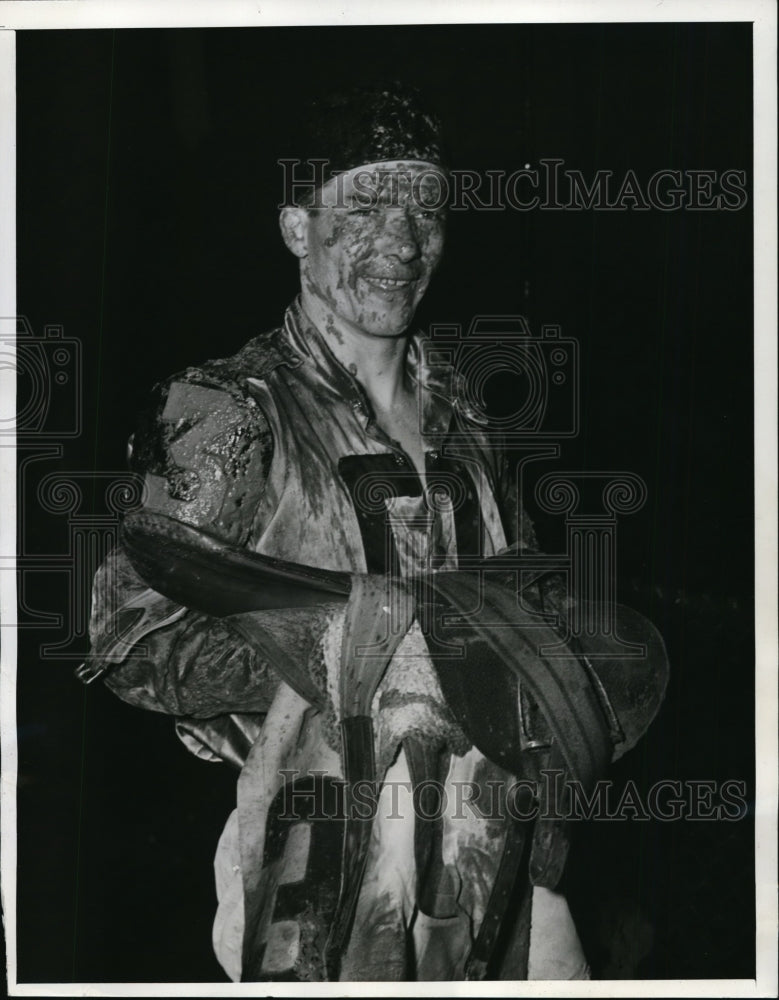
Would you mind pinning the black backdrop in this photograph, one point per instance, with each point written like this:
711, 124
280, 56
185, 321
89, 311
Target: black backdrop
147, 185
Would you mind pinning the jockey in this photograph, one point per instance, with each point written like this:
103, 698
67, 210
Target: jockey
337, 442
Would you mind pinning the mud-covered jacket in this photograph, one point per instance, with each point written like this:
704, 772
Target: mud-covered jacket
276, 449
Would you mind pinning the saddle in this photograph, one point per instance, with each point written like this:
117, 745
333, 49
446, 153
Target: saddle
500, 664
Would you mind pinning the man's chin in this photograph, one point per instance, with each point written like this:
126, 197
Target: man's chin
381, 321
390, 327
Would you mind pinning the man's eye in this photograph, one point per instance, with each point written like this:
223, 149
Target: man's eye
362, 211
428, 214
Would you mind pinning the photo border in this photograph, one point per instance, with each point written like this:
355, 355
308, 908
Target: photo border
78, 14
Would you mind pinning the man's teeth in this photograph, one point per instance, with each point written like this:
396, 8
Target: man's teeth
390, 282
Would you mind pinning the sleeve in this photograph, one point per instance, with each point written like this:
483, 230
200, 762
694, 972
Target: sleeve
204, 452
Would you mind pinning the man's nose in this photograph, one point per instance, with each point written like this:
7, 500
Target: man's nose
401, 239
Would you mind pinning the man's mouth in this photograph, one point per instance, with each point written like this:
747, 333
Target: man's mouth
388, 284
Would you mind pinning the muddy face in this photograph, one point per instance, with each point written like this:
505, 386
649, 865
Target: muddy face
374, 244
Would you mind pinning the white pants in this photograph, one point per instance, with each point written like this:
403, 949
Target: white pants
387, 910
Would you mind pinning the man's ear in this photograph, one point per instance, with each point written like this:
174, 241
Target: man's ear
294, 229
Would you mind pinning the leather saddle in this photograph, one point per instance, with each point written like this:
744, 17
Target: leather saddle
484, 636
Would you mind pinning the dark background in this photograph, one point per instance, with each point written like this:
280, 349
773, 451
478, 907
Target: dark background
147, 185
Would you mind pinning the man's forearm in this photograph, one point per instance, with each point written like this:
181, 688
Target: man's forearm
198, 666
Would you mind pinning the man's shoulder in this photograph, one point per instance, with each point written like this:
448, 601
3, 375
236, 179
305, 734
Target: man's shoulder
229, 375
206, 408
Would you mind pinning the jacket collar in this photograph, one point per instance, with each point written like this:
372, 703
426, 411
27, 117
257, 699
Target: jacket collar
441, 388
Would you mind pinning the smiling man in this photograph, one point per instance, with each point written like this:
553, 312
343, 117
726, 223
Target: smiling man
324, 443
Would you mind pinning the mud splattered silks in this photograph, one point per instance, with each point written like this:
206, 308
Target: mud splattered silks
276, 449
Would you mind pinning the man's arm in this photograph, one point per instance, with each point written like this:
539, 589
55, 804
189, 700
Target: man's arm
204, 449
195, 665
